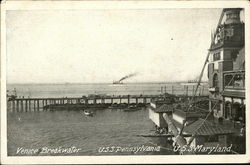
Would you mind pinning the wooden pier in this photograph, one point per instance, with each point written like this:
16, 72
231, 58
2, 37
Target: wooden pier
40, 104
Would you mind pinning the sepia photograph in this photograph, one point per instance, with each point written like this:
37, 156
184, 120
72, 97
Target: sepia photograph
140, 79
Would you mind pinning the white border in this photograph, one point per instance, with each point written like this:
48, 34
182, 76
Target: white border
58, 5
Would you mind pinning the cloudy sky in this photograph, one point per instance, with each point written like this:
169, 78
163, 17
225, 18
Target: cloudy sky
91, 46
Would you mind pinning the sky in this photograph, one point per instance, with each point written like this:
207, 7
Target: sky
100, 46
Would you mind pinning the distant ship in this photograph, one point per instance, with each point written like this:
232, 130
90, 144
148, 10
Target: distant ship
193, 82
117, 82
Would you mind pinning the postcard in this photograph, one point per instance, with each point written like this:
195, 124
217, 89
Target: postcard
124, 82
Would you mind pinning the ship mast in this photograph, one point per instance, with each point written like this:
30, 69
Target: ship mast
180, 139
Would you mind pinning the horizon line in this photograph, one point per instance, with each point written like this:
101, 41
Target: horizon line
148, 82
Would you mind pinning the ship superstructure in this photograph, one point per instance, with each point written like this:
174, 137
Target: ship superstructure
222, 123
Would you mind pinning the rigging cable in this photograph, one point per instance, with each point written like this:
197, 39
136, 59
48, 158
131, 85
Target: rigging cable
202, 71
206, 61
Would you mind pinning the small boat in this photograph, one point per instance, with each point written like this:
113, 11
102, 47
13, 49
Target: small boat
88, 113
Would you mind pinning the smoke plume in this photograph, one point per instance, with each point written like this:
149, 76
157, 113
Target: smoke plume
128, 76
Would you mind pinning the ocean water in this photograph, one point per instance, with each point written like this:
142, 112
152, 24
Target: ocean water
66, 129
108, 132
78, 90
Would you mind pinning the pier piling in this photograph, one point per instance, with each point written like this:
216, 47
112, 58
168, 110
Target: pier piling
21, 105
13, 105
29, 109
25, 105
37, 105
34, 102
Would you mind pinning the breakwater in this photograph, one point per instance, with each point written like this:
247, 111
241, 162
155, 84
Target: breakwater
94, 101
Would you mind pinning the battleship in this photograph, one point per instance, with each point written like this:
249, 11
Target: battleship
222, 121
117, 82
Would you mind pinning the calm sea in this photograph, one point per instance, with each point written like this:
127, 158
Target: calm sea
73, 133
